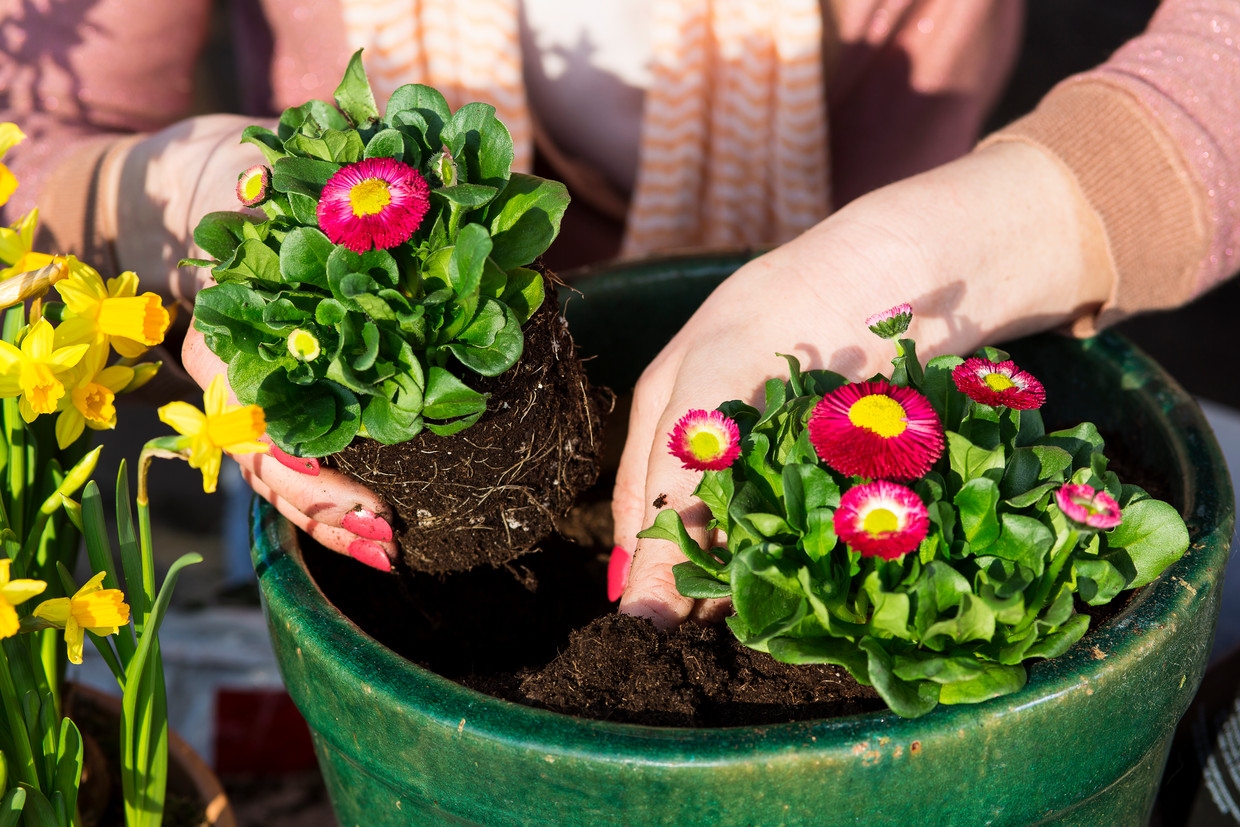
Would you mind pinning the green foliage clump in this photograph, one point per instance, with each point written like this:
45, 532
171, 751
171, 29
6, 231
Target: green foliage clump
400, 330
992, 584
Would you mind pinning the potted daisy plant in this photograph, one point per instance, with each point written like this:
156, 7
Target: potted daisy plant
381, 294
922, 530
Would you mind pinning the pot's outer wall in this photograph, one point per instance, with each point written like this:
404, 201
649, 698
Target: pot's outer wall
1083, 743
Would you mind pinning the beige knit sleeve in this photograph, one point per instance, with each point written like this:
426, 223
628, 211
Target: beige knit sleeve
1135, 178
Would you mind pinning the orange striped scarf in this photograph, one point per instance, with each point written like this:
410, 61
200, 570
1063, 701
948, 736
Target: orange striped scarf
734, 133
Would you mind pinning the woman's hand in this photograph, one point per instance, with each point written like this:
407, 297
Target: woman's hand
995, 245
166, 183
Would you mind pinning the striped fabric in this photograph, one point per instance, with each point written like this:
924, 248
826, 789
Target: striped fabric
734, 135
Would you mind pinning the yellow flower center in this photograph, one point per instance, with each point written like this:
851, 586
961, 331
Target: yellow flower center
998, 382
881, 521
42, 389
303, 346
879, 413
241, 425
369, 197
95, 403
705, 444
141, 318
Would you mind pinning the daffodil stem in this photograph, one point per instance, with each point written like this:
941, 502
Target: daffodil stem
25, 764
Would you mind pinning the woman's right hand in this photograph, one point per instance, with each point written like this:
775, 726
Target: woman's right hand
995, 245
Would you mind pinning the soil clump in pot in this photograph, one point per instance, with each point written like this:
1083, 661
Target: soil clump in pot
492, 492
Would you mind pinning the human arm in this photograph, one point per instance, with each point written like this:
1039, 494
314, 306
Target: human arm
1125, 174
121, 176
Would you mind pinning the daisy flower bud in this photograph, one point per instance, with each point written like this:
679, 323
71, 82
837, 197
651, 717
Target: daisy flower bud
892, 323
254, 185
303, 345
1088, 507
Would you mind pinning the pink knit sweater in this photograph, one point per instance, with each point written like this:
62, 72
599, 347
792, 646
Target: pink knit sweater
1150, 135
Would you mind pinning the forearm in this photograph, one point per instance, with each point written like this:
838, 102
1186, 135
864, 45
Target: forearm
1149, 135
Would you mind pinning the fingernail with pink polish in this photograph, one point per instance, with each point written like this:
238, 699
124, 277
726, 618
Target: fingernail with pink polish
372, 554
304, 465
365, 523
618, 573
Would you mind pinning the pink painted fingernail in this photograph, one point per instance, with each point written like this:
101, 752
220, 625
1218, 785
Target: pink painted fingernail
305, 465
618, 573
372, 554
365, 523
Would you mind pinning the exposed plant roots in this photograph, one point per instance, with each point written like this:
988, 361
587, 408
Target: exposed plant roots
493, 491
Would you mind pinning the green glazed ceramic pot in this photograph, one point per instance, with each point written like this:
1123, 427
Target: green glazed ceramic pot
1083, 743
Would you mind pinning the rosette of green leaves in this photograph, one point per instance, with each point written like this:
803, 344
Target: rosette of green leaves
993, 583
400, 330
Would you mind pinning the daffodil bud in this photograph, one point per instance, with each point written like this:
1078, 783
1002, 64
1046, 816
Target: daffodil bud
303, 346
78, 476
142, 373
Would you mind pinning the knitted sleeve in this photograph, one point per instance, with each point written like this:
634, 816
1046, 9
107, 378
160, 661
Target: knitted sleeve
1151, 138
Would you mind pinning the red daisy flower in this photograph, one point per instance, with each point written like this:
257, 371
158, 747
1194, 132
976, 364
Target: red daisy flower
876, 429
881, 519
891, 323
1088, 507
254, 185
705, 441
375, 203
999, 384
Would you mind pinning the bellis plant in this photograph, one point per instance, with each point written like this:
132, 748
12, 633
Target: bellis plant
388, 263
922, 529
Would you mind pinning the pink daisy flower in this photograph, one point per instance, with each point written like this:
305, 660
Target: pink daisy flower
375, 203
891, 323
881, 519
254, 185
999, 384
1088, 507
705, 441
876, 429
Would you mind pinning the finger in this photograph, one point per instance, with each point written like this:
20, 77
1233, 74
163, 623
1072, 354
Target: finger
651, 590
336, 510
373, 553
628, 504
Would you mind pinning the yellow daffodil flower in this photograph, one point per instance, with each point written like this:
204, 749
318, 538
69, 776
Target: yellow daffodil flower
224, 427
34, 372
90, 402
115, 312
13, 593
10, 136
93, 609
16, 247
